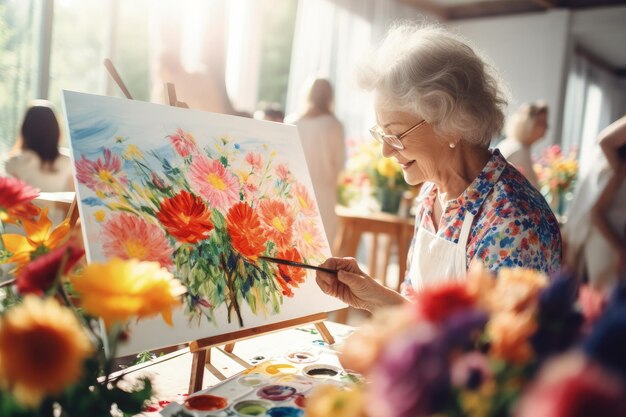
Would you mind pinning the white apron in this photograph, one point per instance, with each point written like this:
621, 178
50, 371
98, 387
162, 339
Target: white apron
435, 259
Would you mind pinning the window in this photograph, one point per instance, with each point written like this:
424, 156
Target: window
19, 33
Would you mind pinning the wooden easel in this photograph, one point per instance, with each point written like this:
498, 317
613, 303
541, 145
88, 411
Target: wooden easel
201, 348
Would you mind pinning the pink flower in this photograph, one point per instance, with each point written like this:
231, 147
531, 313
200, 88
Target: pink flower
15, 200
184, 143
304, 201
127, 236
255, 160
310, 239
283, 172
209, 178
592, 303
101, 175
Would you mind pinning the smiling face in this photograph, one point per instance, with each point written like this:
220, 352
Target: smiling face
422, 151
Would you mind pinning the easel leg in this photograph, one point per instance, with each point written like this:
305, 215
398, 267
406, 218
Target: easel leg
326, 336
197, 370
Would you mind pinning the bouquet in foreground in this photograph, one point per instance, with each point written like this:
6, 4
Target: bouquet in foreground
54, 358
519, 345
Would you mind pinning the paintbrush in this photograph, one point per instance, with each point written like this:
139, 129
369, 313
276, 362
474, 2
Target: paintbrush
297, 264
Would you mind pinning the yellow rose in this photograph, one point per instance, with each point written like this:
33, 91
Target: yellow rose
119, 290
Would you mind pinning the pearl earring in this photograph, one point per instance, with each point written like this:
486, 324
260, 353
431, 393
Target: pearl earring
452, 145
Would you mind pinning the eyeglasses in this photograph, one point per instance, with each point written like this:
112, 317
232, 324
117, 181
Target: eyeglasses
393, 140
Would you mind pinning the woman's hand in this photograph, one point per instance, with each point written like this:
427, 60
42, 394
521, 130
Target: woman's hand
354, 287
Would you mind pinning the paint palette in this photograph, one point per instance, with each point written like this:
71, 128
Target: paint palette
274, 388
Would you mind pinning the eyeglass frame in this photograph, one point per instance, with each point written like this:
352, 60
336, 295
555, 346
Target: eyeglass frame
395, 141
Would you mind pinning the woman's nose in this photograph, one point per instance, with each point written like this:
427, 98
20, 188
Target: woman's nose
388, 150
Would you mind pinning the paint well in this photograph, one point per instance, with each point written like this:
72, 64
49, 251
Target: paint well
206, 403
276, 392
251, 408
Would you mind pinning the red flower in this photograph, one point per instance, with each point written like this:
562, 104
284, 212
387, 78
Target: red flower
277, 221
439, 302
15, 199
290, 276
244, 228
186, 217
39, 275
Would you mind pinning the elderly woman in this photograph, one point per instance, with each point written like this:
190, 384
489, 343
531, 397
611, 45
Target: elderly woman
437, 108
525, 128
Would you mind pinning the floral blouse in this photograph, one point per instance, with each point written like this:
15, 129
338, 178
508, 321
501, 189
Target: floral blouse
513, 225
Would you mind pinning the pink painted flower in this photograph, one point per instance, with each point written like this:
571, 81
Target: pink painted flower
310, 242
184, 143
250, 191
283, 172
210, 179
127, 236
255, 160
101, 175
304, 201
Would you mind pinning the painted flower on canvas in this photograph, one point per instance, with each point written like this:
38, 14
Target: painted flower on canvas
206, 213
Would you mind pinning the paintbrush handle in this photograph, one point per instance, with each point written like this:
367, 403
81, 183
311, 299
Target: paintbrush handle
297, 264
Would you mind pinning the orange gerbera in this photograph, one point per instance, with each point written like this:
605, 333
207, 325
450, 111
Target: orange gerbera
40, 238
244, 228
277, 221
290, 276
186, 217
15, 200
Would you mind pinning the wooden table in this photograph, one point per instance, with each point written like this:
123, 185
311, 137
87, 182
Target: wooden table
353, 224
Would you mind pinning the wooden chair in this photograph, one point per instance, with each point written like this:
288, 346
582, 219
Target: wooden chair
388, 231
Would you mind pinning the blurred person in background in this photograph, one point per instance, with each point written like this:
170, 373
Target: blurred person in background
36, 158
595, 232
322, 137
525, 128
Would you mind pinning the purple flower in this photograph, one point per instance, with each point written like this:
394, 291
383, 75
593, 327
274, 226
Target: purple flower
411, 379
559, 324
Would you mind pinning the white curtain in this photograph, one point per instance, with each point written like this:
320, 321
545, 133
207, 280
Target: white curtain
331, 37
594, 99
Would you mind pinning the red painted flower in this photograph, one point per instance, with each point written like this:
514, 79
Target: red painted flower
15, 199
439, 302
244, 228
290, 276
39, 275
186, 217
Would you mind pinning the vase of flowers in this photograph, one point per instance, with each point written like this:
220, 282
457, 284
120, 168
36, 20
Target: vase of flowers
557, 174
54, 359
370, 179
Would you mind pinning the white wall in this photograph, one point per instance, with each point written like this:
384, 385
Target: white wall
530, 52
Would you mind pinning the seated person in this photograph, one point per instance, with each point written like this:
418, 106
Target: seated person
437, 121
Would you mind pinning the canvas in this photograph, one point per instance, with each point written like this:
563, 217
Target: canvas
204, 195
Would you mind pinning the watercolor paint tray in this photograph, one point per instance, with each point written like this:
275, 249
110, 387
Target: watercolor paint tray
274, 388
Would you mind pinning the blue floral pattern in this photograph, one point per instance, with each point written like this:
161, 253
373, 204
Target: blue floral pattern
513, 224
